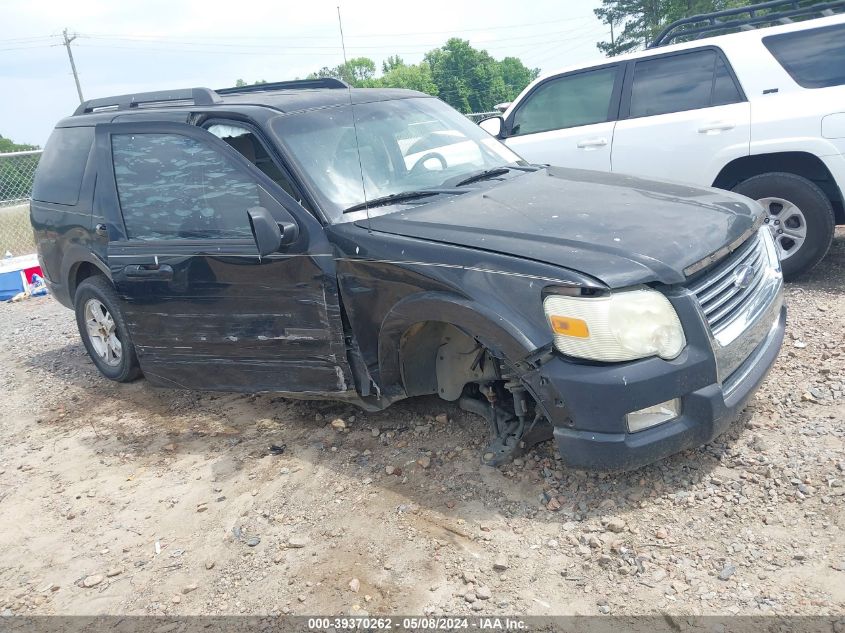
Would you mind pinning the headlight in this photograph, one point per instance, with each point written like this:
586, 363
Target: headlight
620, 326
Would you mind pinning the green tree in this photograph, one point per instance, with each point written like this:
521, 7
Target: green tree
394, 61
8, 145
635, 23
415, 77
240, 83
358, 72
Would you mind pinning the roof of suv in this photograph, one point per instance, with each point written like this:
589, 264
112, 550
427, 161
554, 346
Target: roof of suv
722, 41
287, 97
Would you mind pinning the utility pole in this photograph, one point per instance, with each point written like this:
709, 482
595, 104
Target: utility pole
66, 41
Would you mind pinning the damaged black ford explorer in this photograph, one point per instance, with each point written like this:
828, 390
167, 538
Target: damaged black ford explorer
371, 245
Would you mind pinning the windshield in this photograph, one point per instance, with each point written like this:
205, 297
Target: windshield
405, 145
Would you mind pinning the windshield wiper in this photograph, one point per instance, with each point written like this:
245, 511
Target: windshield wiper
400, 197
483, 175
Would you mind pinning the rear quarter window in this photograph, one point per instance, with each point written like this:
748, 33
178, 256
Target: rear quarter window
62, 165
814, 58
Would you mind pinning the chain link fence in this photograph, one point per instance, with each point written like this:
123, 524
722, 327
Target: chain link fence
17, 170
475, 117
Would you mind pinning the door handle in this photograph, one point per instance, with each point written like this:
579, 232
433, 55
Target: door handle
715, 127
591, 142
149, 271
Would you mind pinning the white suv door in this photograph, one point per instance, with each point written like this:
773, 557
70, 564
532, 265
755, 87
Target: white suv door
568, 119
683, 117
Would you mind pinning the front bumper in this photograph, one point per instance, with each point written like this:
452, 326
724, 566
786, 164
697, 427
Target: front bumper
588, 404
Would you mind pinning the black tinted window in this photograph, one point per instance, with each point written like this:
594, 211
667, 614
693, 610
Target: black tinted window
62, 165
565, 102
681, 82
814, 58
173, 187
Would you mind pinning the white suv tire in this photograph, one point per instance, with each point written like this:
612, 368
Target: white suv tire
794, 206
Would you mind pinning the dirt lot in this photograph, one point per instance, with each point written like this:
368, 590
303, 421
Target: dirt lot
127, 499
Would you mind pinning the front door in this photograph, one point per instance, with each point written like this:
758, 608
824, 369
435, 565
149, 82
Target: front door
568, 120
203, 309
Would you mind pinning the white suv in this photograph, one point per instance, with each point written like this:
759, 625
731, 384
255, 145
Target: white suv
760, 112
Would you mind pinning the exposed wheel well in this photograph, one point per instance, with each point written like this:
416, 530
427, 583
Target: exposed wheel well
80, 273
438, 357
798, 163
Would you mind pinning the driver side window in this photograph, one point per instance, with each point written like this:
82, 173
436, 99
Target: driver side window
172, 187
569, 101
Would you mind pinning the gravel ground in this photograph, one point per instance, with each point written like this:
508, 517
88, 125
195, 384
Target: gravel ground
124, 499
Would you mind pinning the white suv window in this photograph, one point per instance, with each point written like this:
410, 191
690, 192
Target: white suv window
568, 101
676, 83
814, 58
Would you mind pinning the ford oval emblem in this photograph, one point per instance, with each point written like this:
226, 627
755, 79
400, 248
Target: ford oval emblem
743, 275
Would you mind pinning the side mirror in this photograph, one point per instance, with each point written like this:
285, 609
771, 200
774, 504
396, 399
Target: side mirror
269, 234
495, 125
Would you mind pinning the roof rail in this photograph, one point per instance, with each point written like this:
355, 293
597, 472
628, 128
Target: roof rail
753, 16
196, 96
296, 84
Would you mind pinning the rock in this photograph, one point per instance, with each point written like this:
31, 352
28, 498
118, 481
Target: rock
501, 563
279, 557
298, 541
441, 418
252, 541
553, 505
189, 588
301, 598
661, 533
424, 461
389, 470
604, 609
470, 597
483, 592
114, 571
354, 585
799, 344
338, 424
209, 564
92, 581
616, 524
176, 599
727, 571
375, 432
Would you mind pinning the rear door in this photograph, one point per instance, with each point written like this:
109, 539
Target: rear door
204, 310
683, 117
568, 120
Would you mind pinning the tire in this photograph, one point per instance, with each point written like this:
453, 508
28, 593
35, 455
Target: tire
776, 191
96, 302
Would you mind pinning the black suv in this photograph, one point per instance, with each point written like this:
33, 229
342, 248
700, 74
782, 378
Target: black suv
314, 240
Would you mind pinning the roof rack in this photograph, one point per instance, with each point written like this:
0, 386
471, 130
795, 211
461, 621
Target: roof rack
198, 96
296, 84
193, 96
747, 18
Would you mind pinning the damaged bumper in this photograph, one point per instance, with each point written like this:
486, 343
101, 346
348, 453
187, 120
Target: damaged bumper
588, 405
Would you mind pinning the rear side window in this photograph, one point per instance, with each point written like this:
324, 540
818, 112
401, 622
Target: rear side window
174, 187
565, 102
681, 82
814, 58
62, 165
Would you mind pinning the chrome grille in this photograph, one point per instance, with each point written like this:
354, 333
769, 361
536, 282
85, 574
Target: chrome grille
720, 296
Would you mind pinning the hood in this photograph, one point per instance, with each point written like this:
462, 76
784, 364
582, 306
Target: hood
622, 230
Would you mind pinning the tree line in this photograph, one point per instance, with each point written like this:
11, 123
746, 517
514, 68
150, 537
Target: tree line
467, 78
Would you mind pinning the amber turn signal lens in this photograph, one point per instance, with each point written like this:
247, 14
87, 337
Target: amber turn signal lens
569, 326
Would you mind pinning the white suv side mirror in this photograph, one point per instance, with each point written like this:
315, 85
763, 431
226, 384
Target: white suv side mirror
494, 125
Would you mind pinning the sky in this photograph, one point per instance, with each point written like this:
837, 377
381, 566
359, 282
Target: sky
124, 47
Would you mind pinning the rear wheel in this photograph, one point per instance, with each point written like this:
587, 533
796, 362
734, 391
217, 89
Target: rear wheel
798, 214
103, 330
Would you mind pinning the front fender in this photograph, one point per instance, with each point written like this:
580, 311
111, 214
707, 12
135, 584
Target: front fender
502, 335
